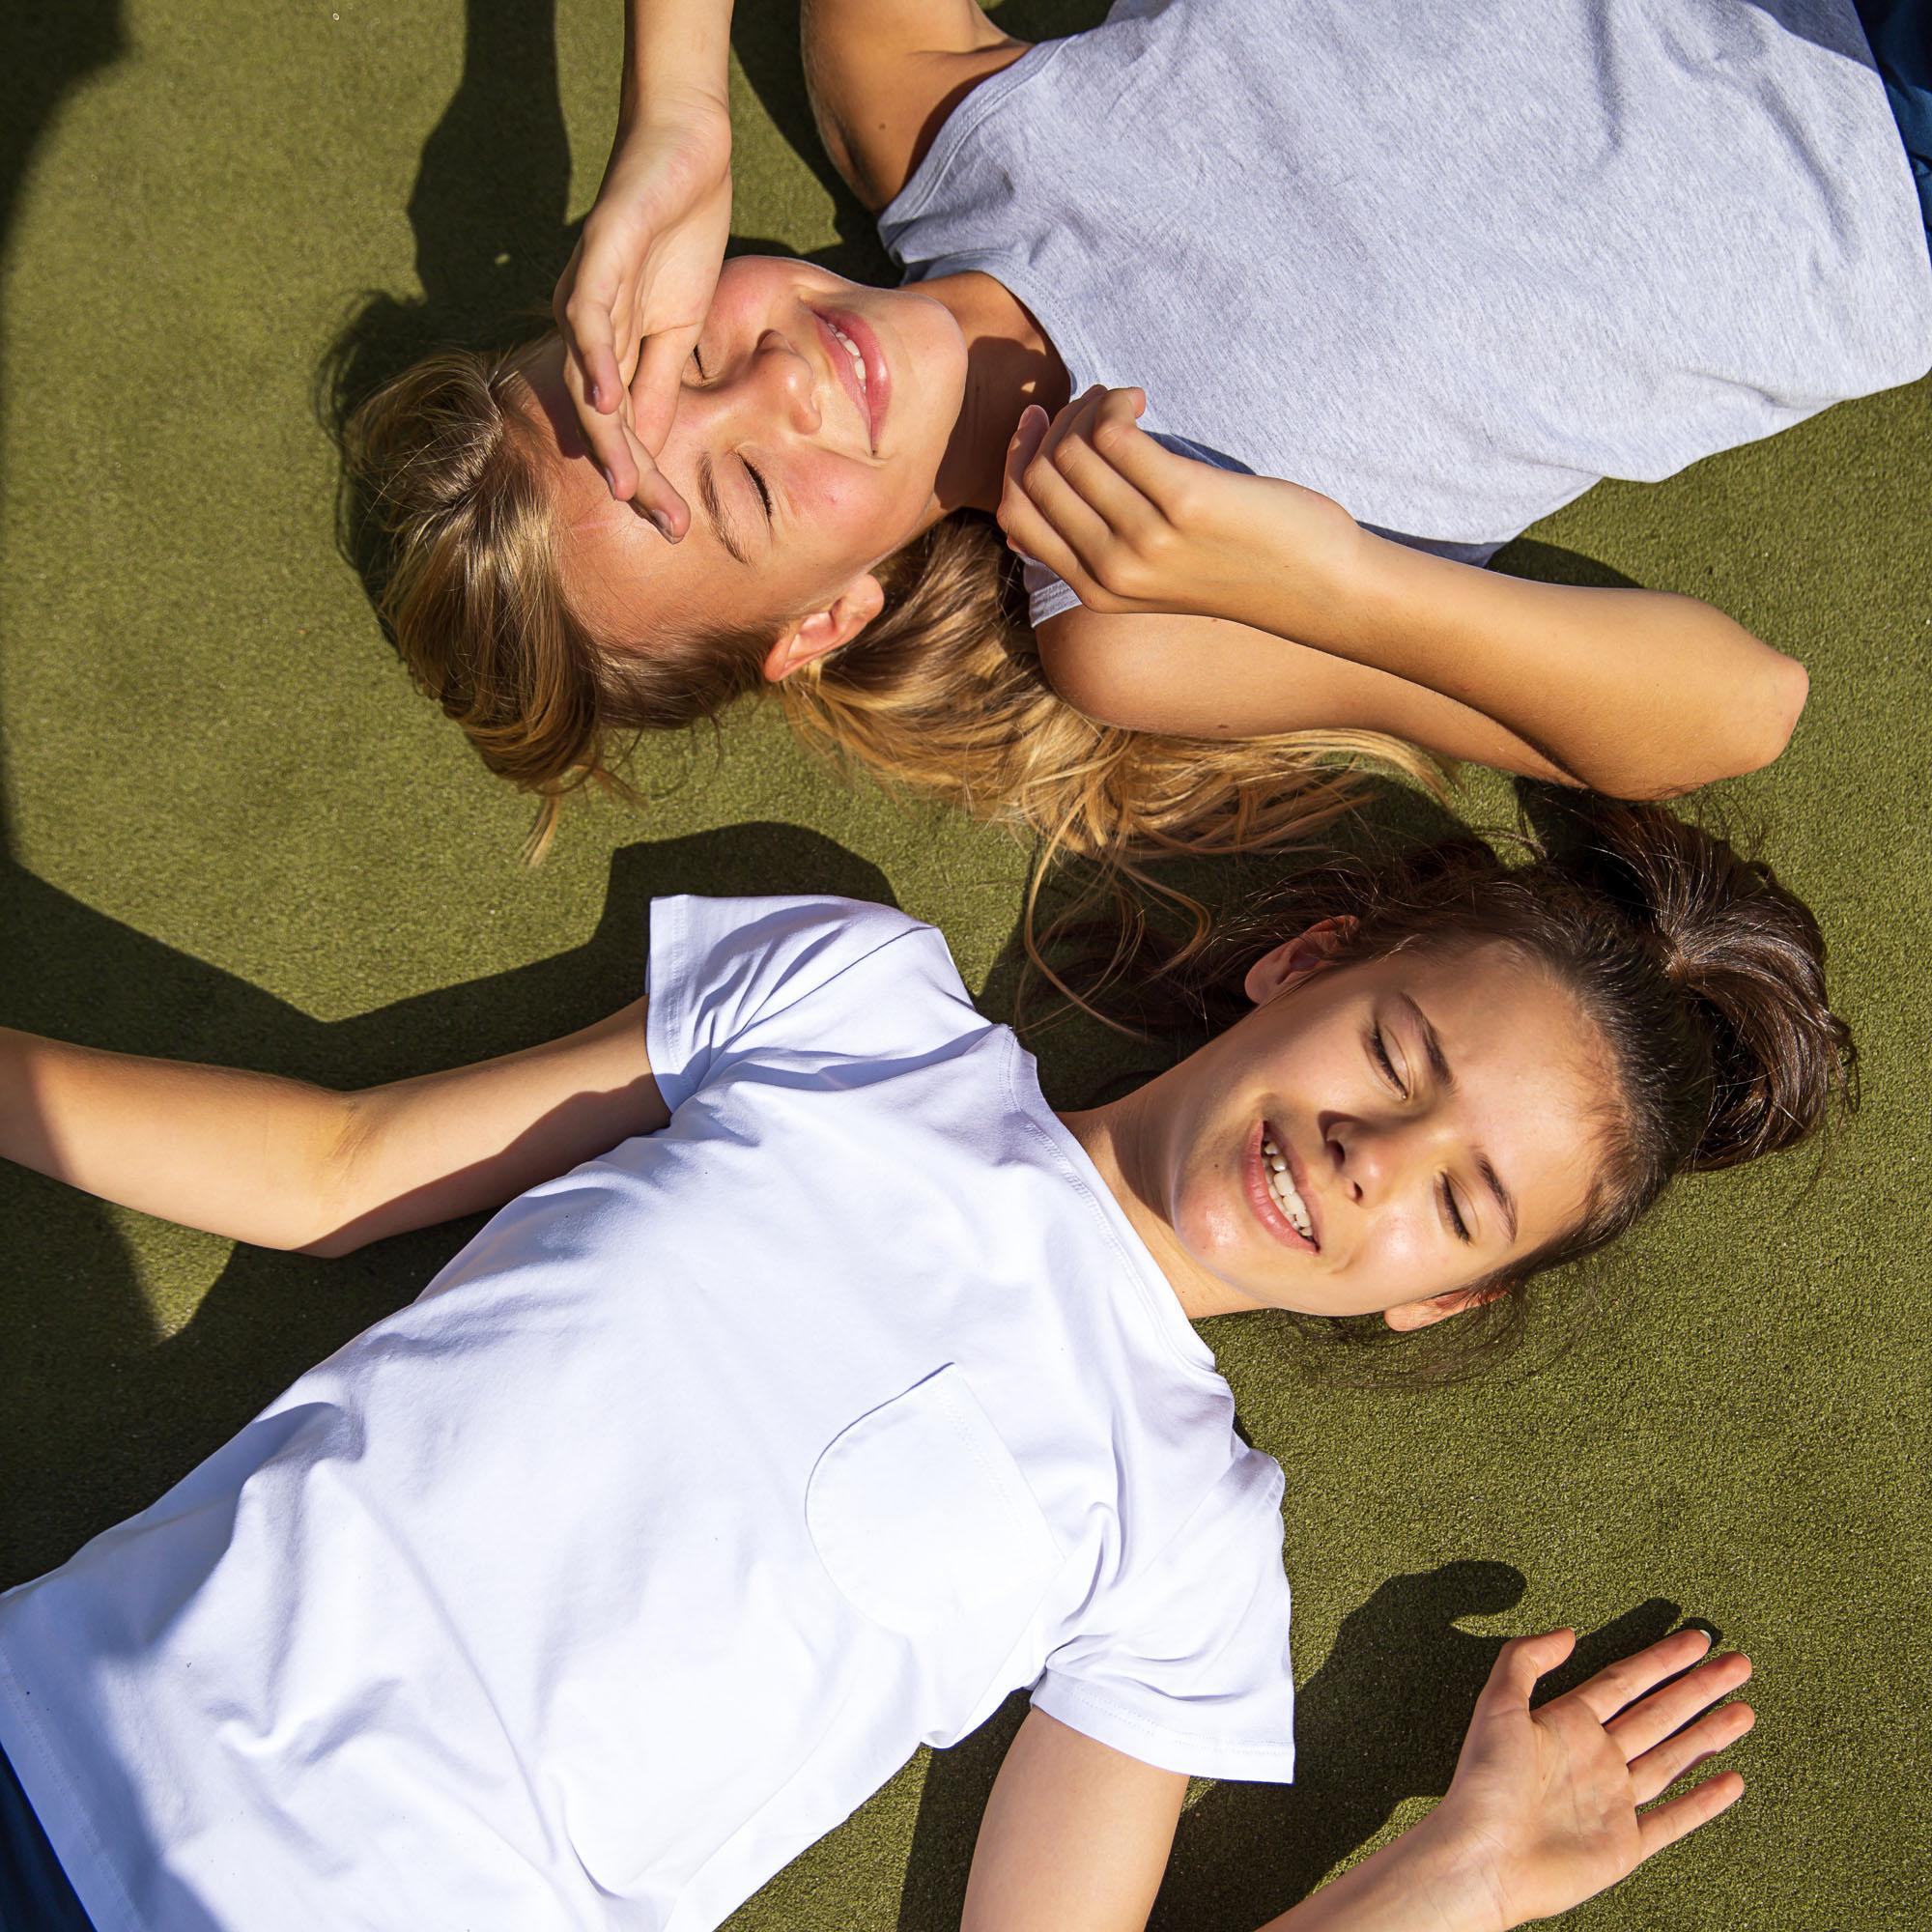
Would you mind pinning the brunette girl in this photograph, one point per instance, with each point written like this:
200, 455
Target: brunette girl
821, 1386
1442, 268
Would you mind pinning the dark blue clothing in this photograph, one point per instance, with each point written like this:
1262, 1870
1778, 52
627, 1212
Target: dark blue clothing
35, 1895
1900, 33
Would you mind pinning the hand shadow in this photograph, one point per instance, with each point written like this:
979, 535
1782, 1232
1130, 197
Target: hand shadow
99, 1414
1380, 1721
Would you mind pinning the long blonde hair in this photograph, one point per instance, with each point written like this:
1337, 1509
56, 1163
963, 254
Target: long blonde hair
450, 515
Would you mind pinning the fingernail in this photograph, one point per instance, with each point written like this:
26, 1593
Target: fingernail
665, 528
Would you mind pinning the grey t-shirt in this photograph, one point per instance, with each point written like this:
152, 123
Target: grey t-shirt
1447, 263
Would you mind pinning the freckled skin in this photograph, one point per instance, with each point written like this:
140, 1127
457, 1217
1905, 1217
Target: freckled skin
770, 397
1530, 1084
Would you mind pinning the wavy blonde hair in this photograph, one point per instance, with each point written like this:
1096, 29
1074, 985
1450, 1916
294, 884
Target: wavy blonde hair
450, 516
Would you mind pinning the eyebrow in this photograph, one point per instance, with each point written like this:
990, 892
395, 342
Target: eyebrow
707, 491
1438, 1063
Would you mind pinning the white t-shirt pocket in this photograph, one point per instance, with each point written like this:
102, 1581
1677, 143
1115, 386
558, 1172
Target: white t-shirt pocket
921, 1515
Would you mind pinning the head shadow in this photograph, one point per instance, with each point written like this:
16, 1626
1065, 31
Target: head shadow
98, 1411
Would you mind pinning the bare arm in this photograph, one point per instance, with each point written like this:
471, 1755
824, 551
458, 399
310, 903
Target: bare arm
285, 1164
1544, 1811
884, 75
1195, 581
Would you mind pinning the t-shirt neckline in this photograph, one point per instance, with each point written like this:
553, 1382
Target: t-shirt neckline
1156, 1292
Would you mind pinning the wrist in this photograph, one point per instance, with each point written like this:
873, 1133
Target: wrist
1456, 1875
1310, 566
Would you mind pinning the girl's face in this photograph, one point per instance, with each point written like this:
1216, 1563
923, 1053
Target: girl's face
1374, 1137
801, 472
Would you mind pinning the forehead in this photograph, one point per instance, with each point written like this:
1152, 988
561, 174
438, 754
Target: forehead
1533, 1083
614, 562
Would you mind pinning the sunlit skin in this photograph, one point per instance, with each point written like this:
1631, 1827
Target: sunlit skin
764, 402
1388, 1158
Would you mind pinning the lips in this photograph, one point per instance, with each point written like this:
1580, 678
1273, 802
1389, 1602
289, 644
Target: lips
872, 396
1268, 1209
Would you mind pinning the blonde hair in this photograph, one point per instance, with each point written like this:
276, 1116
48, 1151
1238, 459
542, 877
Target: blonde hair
942, 694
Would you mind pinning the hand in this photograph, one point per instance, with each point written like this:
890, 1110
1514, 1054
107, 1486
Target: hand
635, 294
1134, 527
1544, 1804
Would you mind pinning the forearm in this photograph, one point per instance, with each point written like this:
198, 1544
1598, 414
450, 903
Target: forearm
249, 1155
675, 51
1636, 692
283, 1164
1418, 1884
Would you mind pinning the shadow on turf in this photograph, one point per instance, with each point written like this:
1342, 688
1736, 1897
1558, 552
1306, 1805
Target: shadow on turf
97, 1415
1380, 1721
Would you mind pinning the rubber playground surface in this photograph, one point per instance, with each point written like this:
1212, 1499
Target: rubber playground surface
229, 831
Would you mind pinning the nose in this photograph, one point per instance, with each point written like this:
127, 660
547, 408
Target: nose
778, 383
1373, 1160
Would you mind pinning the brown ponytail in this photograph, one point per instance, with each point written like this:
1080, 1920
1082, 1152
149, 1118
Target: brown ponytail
1704, 977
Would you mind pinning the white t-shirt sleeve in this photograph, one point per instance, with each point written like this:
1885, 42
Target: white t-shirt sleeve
822, 976
1189, 1668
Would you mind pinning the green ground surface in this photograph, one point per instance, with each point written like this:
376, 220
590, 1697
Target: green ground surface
231, 831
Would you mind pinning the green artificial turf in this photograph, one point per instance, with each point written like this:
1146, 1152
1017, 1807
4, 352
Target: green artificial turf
231, 831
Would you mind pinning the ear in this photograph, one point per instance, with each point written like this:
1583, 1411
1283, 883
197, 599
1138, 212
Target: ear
1294, 959
1410, 1316
808, 638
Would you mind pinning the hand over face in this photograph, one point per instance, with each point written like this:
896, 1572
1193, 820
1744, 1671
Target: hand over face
634, 295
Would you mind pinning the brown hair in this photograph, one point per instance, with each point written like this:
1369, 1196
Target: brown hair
1703, 976
942, 694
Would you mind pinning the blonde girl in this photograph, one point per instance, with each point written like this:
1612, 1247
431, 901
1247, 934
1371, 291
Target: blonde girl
1442, 268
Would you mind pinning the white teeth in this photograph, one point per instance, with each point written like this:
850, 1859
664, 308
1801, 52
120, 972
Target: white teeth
1282, 1186
851, 349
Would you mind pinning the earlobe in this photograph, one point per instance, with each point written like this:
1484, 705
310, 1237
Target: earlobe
1410, 1316
1294, 959
823, 632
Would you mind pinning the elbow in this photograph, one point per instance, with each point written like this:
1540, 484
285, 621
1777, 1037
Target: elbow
1763, 720
331, 1244
1088, 681
334, 1220
1756, 728
1787, 688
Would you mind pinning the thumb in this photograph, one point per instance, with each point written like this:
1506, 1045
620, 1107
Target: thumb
1523, 1661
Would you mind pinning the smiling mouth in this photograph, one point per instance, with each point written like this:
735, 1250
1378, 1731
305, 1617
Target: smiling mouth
860, 364
1287, 1216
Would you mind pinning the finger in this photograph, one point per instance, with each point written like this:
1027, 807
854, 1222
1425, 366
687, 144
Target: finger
1026, 529
612, 448
1658, 1769
1041, 482
654, 395
589, 342
1521, 1661
1653, 1718
1630, 1678
1670, 1822
1093, 473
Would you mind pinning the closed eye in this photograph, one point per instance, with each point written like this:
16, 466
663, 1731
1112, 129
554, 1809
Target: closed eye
1378, 1047
759, 482
1456, 1220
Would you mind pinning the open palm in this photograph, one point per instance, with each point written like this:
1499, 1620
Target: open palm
1548, 1800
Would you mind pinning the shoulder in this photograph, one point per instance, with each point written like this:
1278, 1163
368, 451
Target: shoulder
883, 76
815, 973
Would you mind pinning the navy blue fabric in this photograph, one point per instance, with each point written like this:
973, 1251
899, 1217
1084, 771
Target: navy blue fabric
1900, 33
35, 1895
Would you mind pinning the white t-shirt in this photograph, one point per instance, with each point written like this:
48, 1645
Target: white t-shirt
707, 1482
